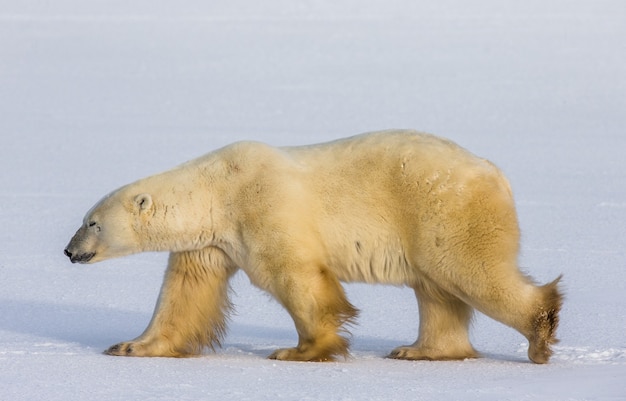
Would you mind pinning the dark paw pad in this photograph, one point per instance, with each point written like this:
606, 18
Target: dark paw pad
113, 350
121, 349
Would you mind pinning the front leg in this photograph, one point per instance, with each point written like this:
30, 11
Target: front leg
192, 309
317, 303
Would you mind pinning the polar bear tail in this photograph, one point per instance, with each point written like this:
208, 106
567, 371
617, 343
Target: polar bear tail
545, 323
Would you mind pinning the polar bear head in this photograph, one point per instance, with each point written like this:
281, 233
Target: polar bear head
116, 226
173, 211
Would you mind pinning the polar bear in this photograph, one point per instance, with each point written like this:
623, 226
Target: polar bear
393, 207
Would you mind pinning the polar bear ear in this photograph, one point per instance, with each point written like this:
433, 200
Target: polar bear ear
143, 202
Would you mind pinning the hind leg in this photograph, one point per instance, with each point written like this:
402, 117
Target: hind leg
318, 305
443, 329
506, 295
472, 253
544, 322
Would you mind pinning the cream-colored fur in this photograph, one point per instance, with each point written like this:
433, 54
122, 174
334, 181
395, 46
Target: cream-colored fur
393, 207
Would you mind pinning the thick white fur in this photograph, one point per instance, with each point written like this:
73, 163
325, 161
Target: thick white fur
393, 207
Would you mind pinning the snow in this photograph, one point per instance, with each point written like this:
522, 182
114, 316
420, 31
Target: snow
97, 94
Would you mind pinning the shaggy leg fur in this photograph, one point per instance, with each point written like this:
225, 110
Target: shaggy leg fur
443, 330
530, 309
192, 308
319, 310
484, 246
545, 323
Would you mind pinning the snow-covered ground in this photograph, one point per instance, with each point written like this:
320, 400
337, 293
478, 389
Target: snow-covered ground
94, 94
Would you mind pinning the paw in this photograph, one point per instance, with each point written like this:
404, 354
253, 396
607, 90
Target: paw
123, 349
409, 353
295, 354
413, 353
539, 352
145, 347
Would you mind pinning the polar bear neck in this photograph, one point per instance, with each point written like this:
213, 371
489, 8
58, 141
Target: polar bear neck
182, 214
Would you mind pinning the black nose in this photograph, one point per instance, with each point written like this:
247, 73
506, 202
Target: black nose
79, 257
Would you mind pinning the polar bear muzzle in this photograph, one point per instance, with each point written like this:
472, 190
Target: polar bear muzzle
79, 258
75, 250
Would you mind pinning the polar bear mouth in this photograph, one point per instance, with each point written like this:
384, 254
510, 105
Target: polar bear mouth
81, 258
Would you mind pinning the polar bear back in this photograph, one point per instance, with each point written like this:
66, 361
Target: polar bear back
382, 207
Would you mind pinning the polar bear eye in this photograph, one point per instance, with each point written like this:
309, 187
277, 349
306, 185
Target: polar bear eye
93, 224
